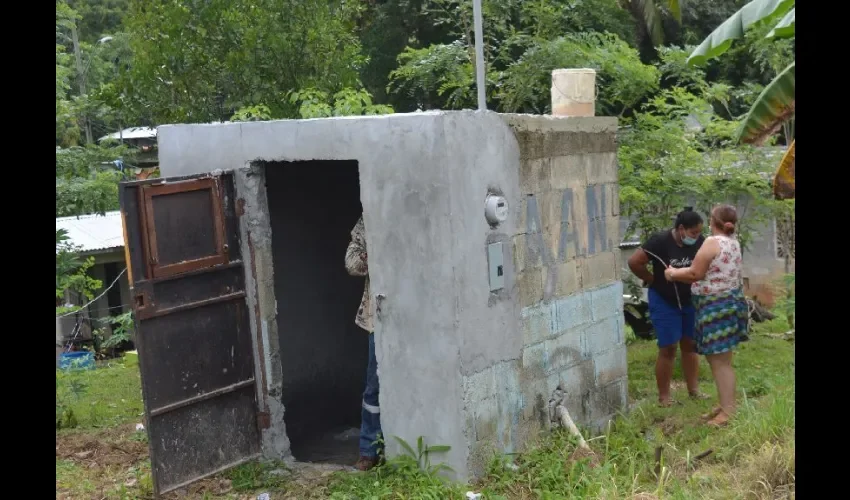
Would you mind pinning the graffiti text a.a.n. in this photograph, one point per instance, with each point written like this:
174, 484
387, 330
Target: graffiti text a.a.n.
568, 243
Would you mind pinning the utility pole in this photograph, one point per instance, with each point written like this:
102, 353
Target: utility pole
480, 74
81, 77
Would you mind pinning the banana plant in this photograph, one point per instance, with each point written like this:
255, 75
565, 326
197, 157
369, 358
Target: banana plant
784, 184
774, 107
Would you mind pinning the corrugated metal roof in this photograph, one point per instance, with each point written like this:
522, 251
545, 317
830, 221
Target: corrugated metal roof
132, 133
94, 233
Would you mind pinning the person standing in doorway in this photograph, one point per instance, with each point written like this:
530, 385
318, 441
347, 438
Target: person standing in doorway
356, 263
721, 309
670, 310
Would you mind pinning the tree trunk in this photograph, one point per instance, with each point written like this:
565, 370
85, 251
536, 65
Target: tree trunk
81, 79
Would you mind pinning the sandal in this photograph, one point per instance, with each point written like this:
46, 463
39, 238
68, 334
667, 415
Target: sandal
713, 413
667, 404
698, 395
714, 422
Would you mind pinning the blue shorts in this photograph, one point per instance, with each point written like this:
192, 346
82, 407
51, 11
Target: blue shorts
669, 322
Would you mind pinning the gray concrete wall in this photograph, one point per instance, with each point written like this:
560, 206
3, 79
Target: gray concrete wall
403, 166
567, 292
458, 365
763, 267
429, 237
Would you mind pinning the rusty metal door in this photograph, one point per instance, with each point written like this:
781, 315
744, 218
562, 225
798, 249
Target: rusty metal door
192, 330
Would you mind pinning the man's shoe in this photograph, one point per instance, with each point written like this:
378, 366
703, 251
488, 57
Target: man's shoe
366, 463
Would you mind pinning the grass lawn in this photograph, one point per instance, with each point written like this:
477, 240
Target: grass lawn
105, 457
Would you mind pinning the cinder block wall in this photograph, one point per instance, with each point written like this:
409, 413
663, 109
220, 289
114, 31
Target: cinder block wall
568, 286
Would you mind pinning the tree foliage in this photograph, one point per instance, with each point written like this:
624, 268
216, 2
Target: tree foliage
622, 79
313, 103
651, 14
72, 272
774, 108
67, 129
199, 61
87, 178
87, 195
776, 103
524, 41
122, 327
98, 18
677, 151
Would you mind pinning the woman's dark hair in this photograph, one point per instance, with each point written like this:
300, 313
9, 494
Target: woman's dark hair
687, 218
725, 217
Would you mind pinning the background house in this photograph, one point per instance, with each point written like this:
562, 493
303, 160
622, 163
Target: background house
101, 237
143, 139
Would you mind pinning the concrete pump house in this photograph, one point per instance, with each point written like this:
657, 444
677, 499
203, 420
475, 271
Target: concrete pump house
494, 271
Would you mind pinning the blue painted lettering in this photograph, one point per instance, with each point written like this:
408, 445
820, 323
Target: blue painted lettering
597, 220
568, 227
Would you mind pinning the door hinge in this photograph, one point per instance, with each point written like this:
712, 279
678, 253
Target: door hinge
263, 420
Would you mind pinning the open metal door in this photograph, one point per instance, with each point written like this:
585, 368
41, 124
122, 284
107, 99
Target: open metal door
192, 329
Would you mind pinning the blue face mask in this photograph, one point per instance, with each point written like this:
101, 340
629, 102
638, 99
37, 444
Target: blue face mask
687, 240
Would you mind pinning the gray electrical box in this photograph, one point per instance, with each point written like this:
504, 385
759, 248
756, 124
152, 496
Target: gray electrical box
495, 260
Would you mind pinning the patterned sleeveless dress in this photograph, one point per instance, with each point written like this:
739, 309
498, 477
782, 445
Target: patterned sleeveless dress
721, 309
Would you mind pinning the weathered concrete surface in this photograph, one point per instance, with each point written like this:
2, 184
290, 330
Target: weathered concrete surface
255, 237
459, 364
568, 291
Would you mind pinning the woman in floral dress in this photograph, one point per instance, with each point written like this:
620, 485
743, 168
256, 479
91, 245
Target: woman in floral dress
721, 309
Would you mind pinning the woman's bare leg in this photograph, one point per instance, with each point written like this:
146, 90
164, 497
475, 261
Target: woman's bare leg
690, 365
664, 373
724, 377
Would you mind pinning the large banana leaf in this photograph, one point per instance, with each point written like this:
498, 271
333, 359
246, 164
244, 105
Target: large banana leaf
772, 107
785, 180
784, 28
721, 38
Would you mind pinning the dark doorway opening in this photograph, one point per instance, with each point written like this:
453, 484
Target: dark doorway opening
313, 205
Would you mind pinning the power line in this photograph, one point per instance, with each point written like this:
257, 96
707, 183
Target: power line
96, 298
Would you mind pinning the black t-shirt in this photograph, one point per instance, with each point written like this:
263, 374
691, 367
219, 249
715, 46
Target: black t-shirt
664, 245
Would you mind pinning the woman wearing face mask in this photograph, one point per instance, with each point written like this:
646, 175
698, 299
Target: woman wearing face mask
670, 310
721, 309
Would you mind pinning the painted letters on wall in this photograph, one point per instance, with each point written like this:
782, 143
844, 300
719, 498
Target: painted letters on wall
592, 224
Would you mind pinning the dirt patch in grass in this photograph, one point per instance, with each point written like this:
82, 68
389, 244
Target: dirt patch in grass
582, 454
104, 447
215, 487
102, 463
668, 425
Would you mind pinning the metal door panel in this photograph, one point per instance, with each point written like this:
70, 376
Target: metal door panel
192, 328
203, 438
